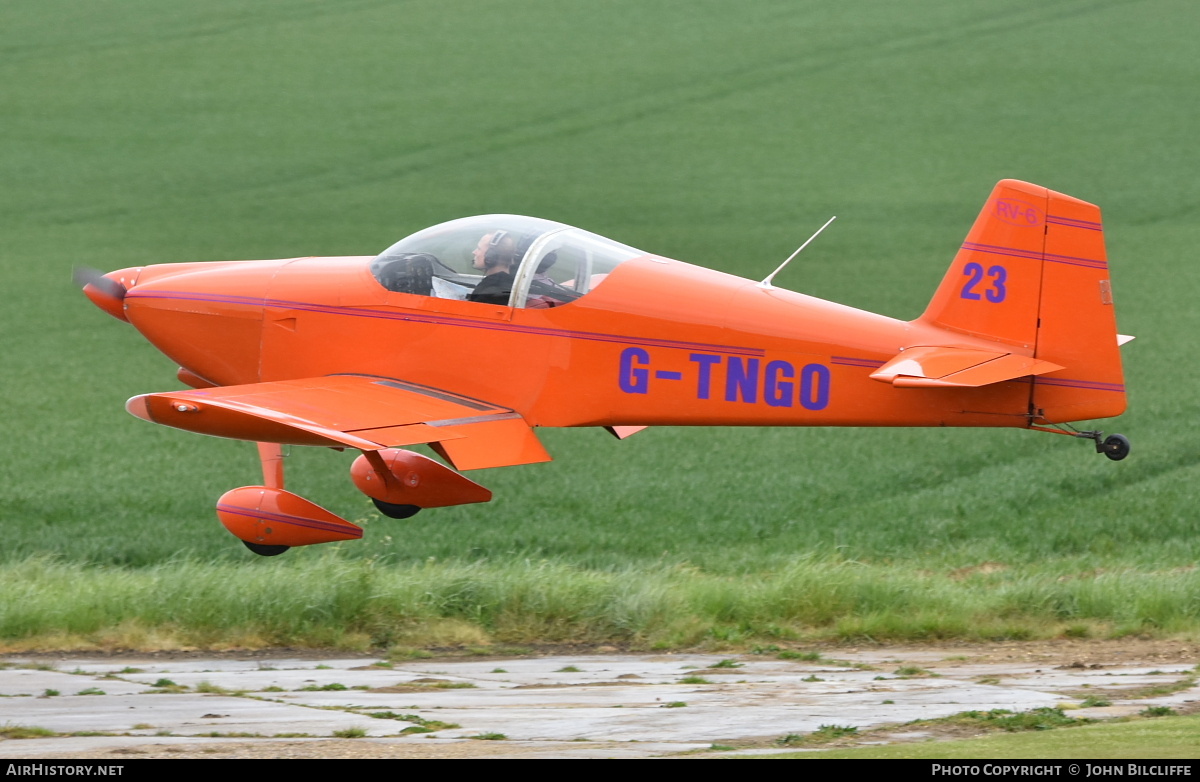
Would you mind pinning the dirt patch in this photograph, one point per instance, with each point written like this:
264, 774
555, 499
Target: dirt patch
1076, 653
1066, 651
311, 750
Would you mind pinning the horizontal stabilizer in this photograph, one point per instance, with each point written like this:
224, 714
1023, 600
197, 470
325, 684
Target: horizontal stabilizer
947, 367
621, 432
367, 413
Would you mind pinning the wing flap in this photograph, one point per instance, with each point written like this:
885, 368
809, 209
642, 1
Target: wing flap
496, 442
367, 413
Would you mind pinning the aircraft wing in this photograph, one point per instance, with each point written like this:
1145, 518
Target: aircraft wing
946, 367
356, 411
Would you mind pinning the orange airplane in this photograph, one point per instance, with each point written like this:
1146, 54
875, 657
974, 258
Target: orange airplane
468, 335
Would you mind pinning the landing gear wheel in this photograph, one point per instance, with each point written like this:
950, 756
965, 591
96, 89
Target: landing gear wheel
264, 550
1116, 447
393, 511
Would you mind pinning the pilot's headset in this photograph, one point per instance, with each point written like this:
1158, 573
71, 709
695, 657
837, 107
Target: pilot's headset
495, 255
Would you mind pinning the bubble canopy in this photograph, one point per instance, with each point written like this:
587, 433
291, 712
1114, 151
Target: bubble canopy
501, 259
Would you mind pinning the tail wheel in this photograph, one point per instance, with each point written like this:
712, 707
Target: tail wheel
394, 511
1116, 447
264, 550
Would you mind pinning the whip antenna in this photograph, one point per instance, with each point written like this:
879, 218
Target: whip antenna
767, 282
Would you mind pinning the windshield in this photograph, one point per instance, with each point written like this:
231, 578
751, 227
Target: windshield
500, 259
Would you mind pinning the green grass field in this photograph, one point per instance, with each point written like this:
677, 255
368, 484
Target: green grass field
1162, 739
722, 134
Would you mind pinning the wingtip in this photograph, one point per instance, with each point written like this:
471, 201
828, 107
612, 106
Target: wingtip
137, 406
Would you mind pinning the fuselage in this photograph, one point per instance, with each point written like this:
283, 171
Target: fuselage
659, 342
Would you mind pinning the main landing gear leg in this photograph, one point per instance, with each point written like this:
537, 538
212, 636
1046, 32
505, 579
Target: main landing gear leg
271, 456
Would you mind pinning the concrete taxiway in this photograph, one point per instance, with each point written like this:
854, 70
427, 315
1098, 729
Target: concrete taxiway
577, 706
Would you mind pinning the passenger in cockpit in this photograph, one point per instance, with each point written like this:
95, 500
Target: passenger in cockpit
494, 255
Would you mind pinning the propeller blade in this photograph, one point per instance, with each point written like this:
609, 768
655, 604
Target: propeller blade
85, 276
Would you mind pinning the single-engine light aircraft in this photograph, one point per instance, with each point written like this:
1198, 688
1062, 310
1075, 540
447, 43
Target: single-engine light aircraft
468, 335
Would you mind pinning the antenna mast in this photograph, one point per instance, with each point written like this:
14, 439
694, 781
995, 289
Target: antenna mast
766, 283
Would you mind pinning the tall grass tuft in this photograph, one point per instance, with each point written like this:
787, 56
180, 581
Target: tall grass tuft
333, 601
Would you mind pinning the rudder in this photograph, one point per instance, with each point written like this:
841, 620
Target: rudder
1078, 326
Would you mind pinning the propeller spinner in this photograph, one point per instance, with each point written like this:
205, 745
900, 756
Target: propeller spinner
105, 292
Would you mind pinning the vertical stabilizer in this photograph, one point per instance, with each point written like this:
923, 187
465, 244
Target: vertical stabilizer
1032, 275
993, 288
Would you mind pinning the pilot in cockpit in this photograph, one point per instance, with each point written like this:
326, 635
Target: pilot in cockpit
494, 256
